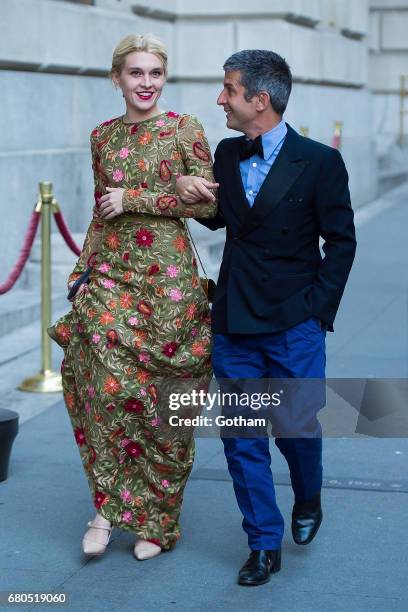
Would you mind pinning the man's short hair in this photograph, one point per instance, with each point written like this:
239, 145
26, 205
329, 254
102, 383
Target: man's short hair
263, 70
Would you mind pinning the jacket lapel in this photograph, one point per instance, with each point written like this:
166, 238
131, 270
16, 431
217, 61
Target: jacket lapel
236, 191
286, 169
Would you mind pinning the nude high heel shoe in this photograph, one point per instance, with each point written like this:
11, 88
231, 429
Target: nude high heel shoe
91, 546
146, 550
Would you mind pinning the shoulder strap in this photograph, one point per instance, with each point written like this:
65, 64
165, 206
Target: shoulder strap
194, 246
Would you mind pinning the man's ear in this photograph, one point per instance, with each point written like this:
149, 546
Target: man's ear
263, 101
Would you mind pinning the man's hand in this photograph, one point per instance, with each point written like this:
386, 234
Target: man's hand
110, 205
193, 189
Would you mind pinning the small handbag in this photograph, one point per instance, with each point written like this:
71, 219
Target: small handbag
207, 284
84, 278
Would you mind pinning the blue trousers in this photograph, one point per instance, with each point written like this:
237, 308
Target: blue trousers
298, 352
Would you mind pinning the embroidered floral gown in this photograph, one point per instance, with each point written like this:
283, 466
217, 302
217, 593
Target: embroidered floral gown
143, 318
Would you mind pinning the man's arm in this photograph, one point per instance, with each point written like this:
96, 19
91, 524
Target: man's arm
336, 226
218, 221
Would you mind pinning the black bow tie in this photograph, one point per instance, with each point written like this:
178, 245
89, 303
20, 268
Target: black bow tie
251, 147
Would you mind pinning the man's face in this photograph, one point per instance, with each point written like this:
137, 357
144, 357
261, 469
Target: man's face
240, 113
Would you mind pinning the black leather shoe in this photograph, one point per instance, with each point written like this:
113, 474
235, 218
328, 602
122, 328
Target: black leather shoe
259, 567
306, 519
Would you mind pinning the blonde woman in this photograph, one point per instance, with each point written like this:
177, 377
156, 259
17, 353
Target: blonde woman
143, 315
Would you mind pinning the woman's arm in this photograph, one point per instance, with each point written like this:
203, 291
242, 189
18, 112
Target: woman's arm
196, 155
93, 235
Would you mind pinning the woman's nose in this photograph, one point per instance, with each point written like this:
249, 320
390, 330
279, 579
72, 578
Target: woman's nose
146, 81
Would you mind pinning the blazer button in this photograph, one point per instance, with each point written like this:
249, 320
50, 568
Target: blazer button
300, 199
285, 230
290, 199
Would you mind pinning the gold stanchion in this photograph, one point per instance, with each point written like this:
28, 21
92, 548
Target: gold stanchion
338, 128
403, 111
304, 130
46, 381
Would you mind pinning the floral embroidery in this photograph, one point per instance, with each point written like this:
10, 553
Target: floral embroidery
170, 349
144, 238
143, 317
118, 175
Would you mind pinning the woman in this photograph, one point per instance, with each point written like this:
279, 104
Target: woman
143, 317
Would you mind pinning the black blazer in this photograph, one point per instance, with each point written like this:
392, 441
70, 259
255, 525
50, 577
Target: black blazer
272, 274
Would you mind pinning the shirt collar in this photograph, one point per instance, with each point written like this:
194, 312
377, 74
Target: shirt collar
271, 139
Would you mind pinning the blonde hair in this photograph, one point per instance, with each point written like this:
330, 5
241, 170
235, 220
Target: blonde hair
137, 42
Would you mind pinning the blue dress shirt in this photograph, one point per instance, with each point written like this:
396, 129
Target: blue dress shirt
255, 169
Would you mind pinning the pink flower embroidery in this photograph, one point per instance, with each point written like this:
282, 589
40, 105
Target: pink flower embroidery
96, 338
126, 495
143, 390
108, 283
172, 271
91, 391
117, 175
165, 483
155, 422
133, 321
160, 123
127, 516
194, 332
176, 295
144, 358
87, 407
172, 114
104, 267
124, 152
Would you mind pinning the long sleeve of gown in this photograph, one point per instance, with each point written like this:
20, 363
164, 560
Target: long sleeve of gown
93, 235
194, 150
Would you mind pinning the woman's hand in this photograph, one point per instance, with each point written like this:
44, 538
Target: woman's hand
110, 205
193, 189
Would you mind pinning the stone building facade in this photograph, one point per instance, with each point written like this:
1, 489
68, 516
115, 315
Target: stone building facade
346, 57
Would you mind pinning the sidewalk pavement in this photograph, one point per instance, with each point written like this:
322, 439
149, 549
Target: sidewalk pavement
359, 559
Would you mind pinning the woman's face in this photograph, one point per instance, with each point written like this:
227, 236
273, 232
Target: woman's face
141, 80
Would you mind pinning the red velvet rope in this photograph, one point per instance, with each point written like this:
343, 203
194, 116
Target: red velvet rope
65, 233
24, 254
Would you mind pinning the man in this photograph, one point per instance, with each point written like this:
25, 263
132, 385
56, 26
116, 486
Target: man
276, 296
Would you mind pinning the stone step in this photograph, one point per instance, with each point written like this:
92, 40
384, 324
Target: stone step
21, 307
